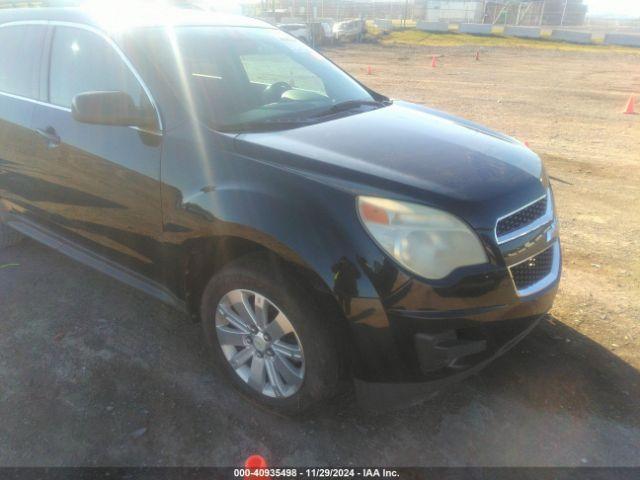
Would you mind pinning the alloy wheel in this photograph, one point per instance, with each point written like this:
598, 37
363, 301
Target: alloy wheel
260, 343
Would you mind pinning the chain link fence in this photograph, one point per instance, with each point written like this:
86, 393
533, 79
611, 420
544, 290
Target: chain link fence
497, 12
552, 13
569, 14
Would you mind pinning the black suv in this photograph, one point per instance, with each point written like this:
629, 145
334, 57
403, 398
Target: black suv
318, 230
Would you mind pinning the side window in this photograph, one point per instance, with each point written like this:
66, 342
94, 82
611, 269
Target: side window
20, 54
82, 61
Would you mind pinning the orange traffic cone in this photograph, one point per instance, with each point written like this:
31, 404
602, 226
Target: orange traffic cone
256, 463
631, 106
434, 61
369, 70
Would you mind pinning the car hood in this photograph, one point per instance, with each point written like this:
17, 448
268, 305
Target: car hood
405, 147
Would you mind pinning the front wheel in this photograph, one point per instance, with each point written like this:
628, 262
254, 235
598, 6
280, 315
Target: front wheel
269, 337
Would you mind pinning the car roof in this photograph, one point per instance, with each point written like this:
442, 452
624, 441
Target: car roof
113, 19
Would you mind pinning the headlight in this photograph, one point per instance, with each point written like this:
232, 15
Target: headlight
429, 242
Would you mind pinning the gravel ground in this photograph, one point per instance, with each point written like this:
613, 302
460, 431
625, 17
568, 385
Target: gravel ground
94, 373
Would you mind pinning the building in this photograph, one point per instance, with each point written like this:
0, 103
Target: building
467, 11
505, 12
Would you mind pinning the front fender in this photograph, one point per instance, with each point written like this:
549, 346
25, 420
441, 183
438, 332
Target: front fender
300, 216
305, 222
320, 238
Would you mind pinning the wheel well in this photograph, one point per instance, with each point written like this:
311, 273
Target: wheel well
208, 258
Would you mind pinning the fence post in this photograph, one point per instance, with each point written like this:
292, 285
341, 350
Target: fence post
564, 12
406, 13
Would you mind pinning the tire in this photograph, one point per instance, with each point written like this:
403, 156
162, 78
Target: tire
321, 359
8, 236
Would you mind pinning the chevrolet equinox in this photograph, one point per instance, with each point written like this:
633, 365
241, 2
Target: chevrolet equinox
322, 233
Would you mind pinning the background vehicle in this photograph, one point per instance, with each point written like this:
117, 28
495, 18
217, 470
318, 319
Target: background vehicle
238, 175
299, 30
349, 30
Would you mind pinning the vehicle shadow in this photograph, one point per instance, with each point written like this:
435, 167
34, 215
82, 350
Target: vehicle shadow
555, 368
557, 399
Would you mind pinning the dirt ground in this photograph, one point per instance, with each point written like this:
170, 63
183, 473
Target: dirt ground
567, 105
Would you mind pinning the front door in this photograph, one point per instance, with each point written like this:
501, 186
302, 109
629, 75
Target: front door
106, 194
22, 180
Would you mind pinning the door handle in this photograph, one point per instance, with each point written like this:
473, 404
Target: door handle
50, 135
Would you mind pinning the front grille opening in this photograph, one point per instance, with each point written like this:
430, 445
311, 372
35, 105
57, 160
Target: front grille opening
522, 218
531, 271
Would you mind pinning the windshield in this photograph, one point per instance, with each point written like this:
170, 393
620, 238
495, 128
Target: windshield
239, 78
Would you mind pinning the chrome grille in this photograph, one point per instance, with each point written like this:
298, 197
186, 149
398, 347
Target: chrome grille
527, 219
522, 218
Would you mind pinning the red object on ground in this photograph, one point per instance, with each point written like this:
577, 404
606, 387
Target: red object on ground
631, 106
256, 462
369, 71
434, 61
478, 56
527, 144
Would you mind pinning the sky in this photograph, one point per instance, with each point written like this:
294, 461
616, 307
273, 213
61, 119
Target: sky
614, 7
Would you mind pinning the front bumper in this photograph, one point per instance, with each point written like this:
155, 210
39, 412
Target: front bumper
427, 335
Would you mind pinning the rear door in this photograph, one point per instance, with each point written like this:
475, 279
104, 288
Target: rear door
21, 176
107, 191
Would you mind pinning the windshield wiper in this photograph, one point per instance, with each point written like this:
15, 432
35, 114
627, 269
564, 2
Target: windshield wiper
350, 104
268, 125
289, 122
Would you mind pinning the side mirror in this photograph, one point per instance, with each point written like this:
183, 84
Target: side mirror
109, 108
